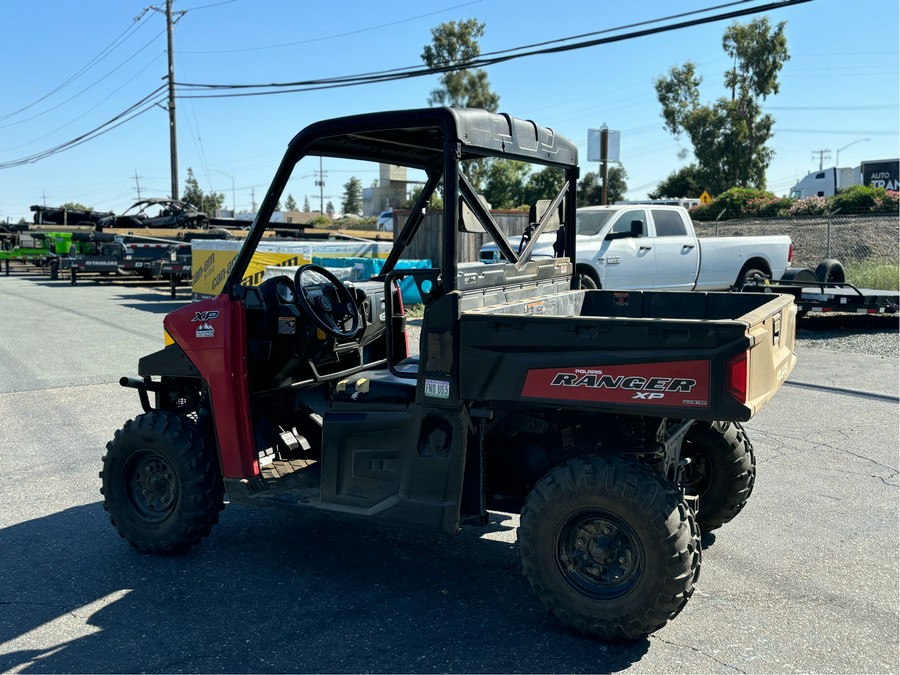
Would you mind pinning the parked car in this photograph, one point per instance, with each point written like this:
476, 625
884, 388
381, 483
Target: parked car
385, 222
632, 247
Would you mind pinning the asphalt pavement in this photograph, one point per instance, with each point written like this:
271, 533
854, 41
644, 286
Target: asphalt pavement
804, 580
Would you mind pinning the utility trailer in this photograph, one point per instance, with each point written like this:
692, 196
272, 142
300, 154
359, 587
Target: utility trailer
610, 421
825, 296
825, 290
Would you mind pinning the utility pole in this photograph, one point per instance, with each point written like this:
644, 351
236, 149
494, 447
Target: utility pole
823, 154
173, 143
321, 184
137, 183
604, 164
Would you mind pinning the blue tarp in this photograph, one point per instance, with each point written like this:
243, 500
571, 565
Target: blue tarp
366, 268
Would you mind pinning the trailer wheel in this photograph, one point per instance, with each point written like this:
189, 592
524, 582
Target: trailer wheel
750, 276
609, 546
721, 472
830, 271
160, 484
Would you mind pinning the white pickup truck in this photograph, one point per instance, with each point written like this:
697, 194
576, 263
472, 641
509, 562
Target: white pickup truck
631, 247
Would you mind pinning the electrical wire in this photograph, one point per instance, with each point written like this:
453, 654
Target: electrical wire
88, 88
150, 101
481, 62
111, 47
331, 37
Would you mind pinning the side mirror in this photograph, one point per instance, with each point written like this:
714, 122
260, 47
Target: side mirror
637, 228
540, 208
468, 221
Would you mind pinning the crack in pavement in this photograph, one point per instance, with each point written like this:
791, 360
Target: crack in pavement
699, 651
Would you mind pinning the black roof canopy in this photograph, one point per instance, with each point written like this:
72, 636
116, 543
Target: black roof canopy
416, 138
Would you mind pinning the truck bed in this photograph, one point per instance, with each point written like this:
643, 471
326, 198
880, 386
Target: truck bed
716, 356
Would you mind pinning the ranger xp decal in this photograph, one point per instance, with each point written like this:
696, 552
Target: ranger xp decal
679, 384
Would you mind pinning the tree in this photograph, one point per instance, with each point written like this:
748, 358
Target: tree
305, 204
290, 204
543, 184
192, 194
77, 206
329, 209
351, 203
210, 204
590, 188
434, 202
685, 182
453, 45
729, 136
504, 184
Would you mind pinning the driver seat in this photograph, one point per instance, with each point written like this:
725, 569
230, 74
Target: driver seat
380, 385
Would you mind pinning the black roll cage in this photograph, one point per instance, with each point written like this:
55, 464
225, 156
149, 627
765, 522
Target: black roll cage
435, 140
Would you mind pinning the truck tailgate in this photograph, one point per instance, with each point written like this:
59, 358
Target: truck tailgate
717, 356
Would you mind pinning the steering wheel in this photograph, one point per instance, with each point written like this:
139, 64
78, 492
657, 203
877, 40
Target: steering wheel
329, 314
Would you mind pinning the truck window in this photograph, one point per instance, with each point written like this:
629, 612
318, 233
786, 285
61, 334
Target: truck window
668, 223
590, 223
623, 224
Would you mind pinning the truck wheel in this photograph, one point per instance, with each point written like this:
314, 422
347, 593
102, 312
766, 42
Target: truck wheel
587, 278
609, 546
161, 487
830, 271
721, 472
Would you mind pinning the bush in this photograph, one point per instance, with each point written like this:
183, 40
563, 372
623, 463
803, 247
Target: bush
889, 203
858, 199
809, 206
742, 203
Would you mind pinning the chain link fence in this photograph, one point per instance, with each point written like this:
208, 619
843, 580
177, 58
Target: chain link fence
868, 245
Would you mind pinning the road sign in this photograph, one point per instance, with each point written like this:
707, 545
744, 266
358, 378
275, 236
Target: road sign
613, 145
705, 198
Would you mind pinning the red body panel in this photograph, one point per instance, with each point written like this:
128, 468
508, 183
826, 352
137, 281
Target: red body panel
212, 334
679, 384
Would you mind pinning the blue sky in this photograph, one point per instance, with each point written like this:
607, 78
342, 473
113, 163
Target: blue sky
840, 86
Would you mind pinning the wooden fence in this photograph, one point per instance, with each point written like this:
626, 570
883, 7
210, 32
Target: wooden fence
428, 242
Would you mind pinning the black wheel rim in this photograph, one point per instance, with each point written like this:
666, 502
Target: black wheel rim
151, 485
599, 554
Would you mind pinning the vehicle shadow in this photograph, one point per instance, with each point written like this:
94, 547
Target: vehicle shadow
268, 592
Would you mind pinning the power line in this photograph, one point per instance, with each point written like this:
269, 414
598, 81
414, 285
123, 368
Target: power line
330, 37
111, 47
134, 110
146, 103
481, 62
89, 87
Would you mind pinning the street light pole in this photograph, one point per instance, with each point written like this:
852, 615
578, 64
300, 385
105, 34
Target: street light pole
837, 161
837, 154
233, 207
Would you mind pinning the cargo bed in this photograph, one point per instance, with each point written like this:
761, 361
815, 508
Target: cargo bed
713, 356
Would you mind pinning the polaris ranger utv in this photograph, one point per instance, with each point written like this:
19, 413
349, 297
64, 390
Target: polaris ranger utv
609, 420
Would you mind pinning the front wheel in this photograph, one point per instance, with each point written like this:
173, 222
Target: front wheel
160, 485
721, 472
609, 546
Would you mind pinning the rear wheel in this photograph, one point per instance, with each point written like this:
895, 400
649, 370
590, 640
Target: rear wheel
161, 487
609, 547
721, 472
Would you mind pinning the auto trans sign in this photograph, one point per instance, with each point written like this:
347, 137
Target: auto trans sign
884, 174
